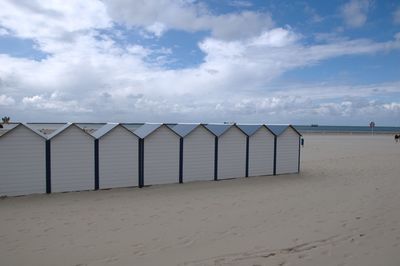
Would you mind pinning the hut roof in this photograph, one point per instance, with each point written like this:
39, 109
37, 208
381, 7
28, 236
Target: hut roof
279, 129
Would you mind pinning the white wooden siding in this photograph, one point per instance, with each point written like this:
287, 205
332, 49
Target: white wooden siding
72, 161
161, 157
198, 155
232, 154
22, 163
261, 153
118, 159
287, 156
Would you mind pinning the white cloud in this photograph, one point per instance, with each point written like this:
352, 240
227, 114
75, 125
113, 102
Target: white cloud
3, 32
95, 77
355, 12
6, 100
52, 104
53, 18
54, 25
157, 16
396, 16
277, 37
392, 106
138, 50
157, 29
254, 62
240, 3
89, 75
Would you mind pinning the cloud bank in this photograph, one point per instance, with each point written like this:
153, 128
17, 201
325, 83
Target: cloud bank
89, 74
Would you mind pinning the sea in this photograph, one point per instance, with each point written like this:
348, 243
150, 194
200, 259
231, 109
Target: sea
346, 129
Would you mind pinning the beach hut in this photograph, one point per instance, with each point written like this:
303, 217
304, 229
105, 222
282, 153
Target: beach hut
260, 150
197, 152
287, 149
72, 159
22, 161
116, 157
230, 150
160, 147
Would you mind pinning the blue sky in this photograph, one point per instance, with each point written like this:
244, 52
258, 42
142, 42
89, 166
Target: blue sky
299, 62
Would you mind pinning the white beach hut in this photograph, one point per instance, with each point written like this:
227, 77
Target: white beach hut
72, 159
196, 152
230, 151
160, 154
260, 150
22, 161
116, 157
287, 149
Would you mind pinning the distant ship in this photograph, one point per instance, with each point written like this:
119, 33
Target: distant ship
314, 125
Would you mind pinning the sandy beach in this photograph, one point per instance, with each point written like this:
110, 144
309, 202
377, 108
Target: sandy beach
342, 209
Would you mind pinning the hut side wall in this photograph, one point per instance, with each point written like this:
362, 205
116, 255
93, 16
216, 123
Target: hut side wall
261, 153
161, 157
232, 154
118, 159
72, 161
198, 155
287, 157
22, 163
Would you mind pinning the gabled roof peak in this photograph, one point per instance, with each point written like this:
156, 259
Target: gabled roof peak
148, 128
15, 126
279, 129
184, 129
65, 127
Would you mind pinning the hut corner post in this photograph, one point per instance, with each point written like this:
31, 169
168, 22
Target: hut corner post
141, 163
181, 160
275, 150
96, 165
247, 155
216, 159
298, 167
48, 166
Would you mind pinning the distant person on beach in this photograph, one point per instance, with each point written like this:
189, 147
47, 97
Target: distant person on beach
302, 142
396, 138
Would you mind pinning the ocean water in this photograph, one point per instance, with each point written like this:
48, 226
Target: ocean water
355, 129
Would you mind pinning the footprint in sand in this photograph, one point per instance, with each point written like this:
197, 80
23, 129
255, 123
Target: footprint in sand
347, 255
325, 252
302, 256
188, 242
282, 263
112, 259
138, 253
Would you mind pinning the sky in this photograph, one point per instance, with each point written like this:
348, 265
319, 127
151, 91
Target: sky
261, 61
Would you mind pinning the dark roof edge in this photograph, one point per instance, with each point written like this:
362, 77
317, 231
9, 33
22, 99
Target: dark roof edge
265, 126
295, 130
157, 128
230, 126
111, 129
204, 126
120, 124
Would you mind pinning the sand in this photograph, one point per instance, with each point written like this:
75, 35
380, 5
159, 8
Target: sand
343, 209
